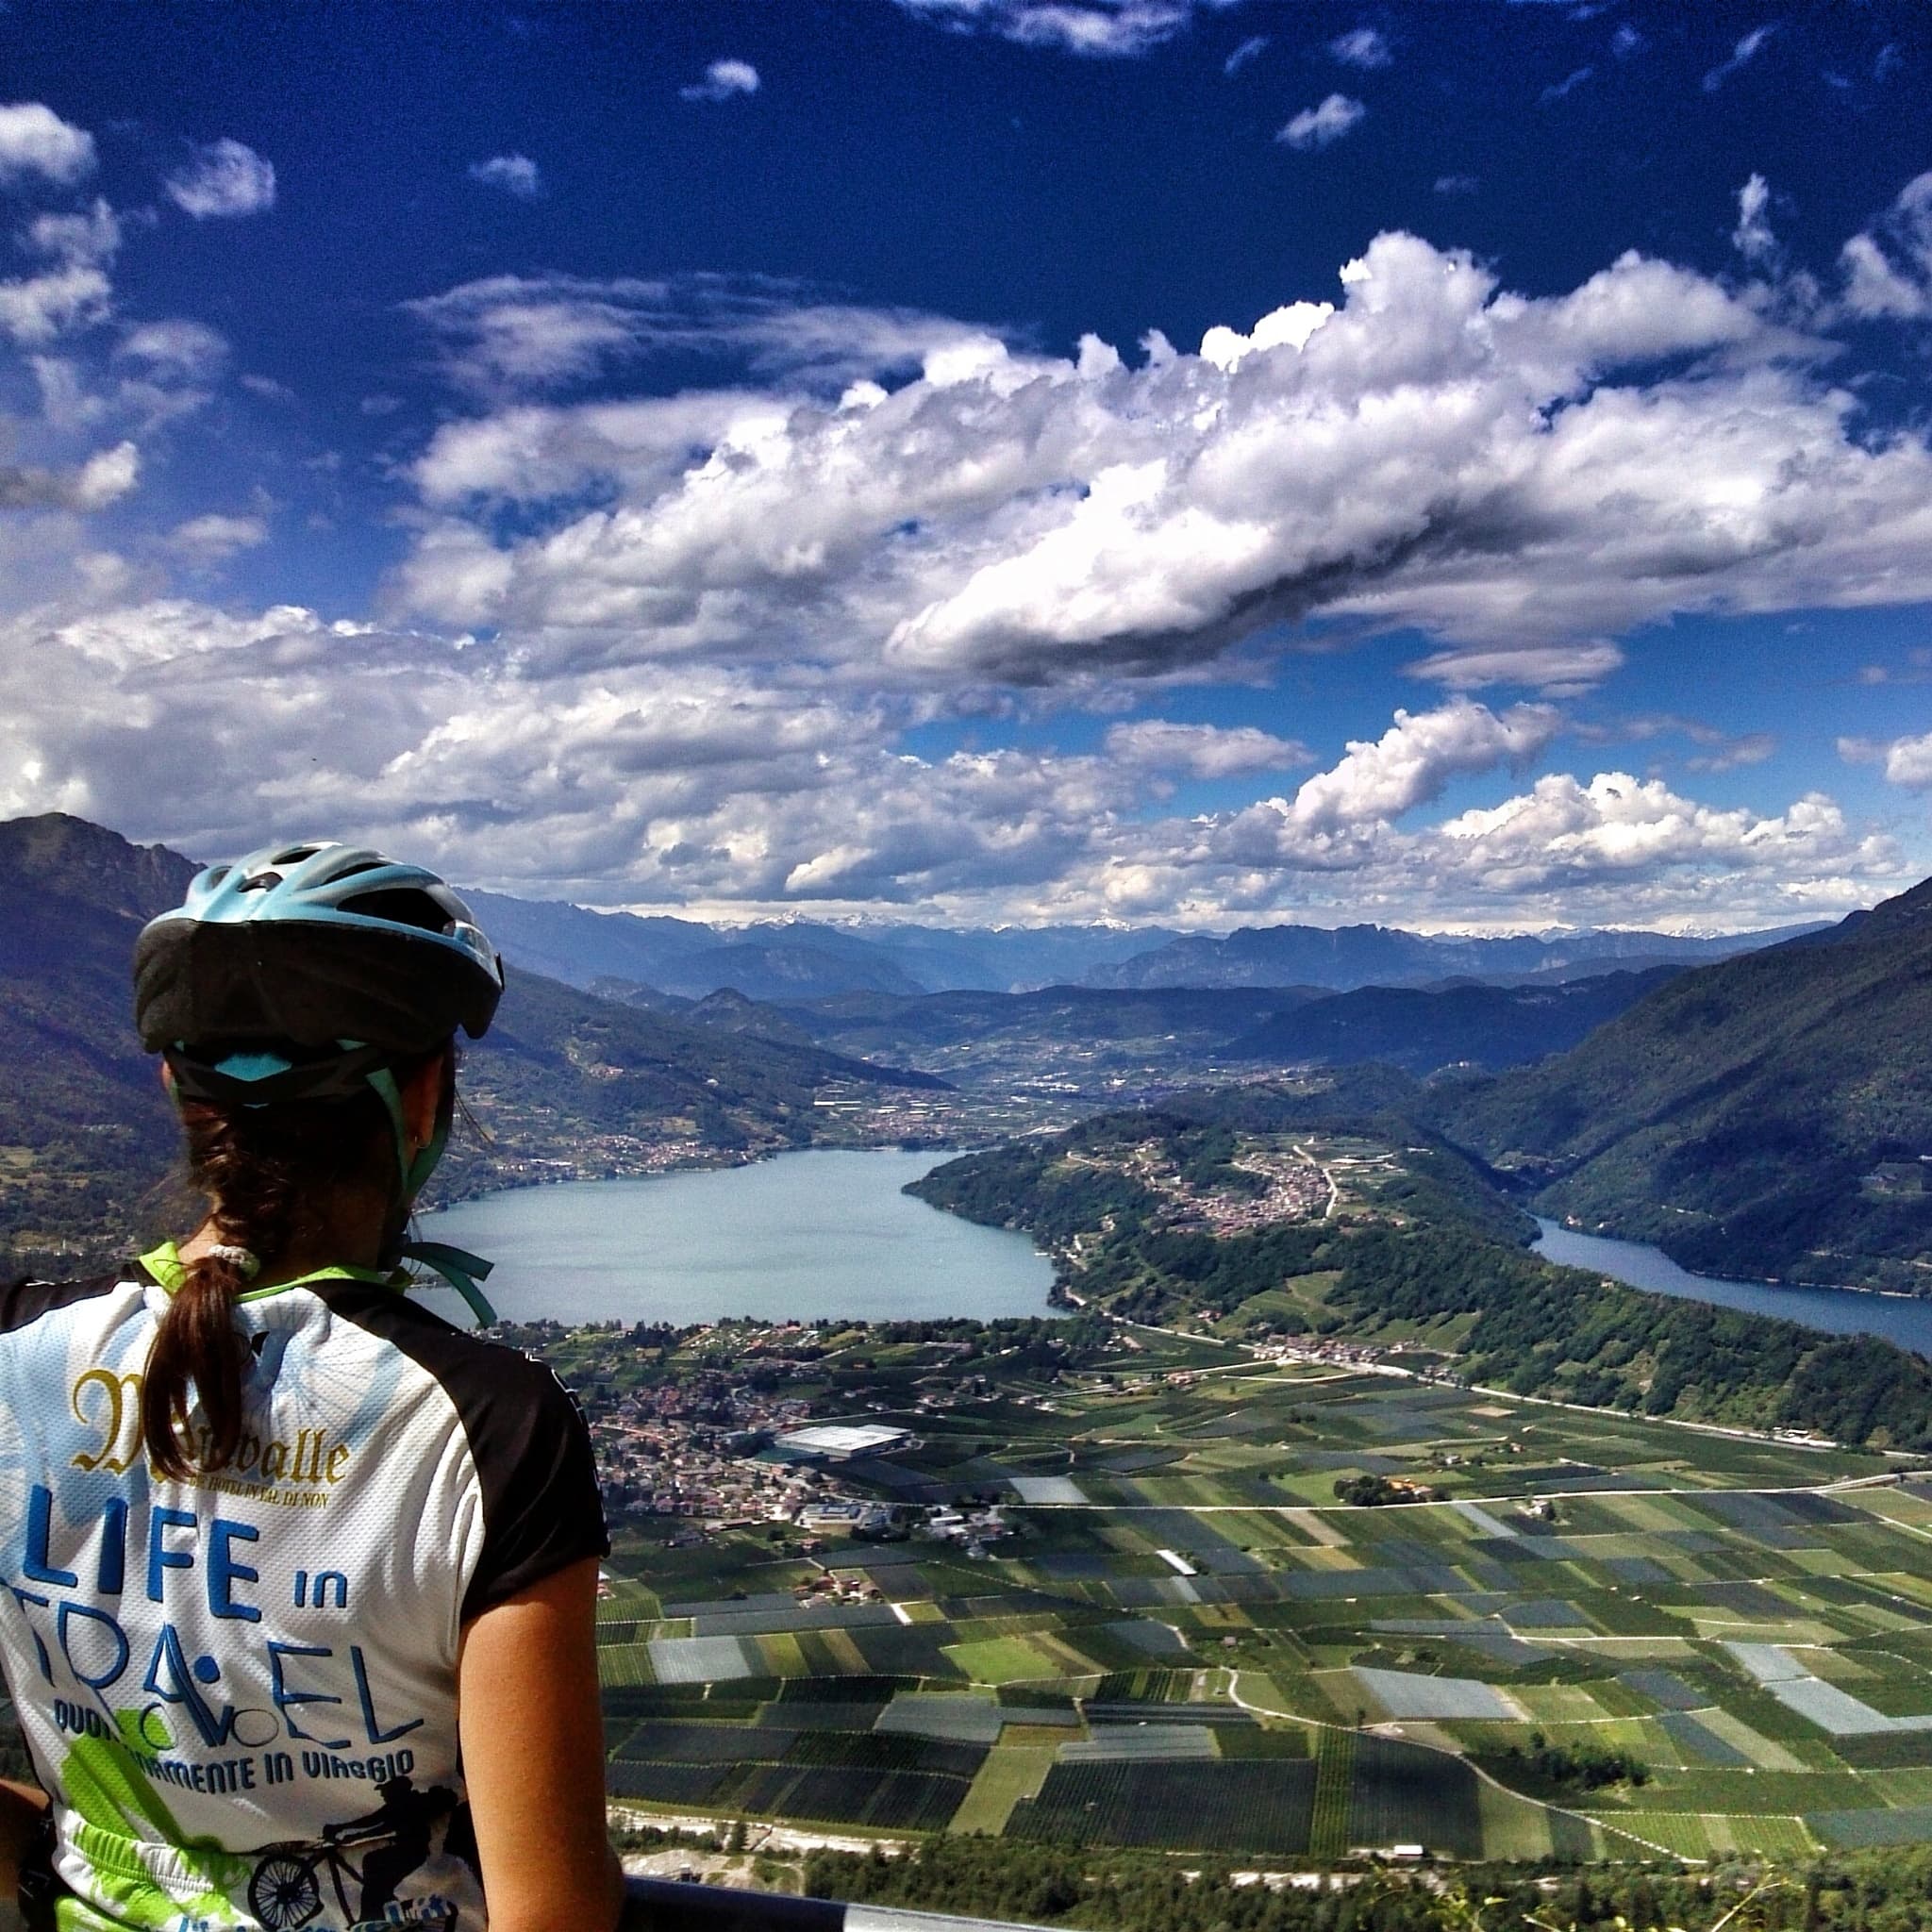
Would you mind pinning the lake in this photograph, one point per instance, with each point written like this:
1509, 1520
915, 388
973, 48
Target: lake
822, 1232
1838, 1310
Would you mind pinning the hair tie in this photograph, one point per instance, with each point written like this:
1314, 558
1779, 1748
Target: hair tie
236, 1258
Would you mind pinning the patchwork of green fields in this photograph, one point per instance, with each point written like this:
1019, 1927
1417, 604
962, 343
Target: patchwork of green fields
1605, 1635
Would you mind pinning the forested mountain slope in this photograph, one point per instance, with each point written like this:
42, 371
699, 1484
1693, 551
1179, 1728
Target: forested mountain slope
1763, 1116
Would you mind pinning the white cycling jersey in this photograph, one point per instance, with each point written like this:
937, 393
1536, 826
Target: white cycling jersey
239, 1690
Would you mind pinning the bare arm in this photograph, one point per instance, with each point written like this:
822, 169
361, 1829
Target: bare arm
22, 1807
533, 1757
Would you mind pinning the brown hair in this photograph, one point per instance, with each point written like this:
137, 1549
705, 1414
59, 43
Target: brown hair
267, 1173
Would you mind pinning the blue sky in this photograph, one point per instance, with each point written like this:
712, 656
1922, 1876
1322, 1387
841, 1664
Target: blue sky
1461, 465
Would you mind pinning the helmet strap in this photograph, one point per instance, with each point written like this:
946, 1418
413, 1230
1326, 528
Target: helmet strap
414, 1171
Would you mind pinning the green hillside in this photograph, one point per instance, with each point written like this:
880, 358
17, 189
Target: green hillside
564, 1082
1764, 1116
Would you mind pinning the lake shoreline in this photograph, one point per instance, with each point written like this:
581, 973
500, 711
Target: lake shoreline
1904, 1320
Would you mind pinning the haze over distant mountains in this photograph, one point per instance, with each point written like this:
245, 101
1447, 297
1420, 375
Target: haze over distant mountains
806, 959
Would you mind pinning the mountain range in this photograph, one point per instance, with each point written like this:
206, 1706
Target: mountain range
1765, 1114
781, 960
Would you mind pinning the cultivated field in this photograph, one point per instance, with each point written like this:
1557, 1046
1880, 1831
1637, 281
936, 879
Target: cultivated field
1186, 1643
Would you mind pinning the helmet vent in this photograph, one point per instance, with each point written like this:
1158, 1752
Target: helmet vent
401, 907
260, 882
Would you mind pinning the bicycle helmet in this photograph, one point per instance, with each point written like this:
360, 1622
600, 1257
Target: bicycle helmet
312, 943
303, 970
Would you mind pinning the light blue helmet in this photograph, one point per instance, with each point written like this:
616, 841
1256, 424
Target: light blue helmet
314, 943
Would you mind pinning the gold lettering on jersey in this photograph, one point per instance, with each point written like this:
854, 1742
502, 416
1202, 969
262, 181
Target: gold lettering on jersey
116, 1413
109, 1404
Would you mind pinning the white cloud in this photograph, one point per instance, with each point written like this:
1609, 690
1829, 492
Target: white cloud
724, 80
1626, 42
1248, 50
1203, 751
516, 174
1097, 29
90, 240
40, 308
1512, 475
514, 333
1564, 833
1556, 670
1746, 50
1378, 782
1752, 238
103, 479
1456, 183
1887, 267
226, 177
1320, 127
215, 538
1558, 89
185, 348
35, 140
1362, 47
1907, 761
697, 784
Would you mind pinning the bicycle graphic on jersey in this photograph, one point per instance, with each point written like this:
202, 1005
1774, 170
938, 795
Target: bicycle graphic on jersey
286, 1891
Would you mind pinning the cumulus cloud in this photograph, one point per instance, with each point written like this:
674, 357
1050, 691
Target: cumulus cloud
1248, 50
673, 647
1510, 474
1565, 834
724, 80
1096, 29
1752, 238
226, 177
516, 174
1362, 47
33, 140
1741, 56
1324, 124
1907, 761
103, 479
696, 784
1887, 267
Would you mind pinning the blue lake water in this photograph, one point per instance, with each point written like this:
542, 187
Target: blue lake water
1838, 1310
823, 1232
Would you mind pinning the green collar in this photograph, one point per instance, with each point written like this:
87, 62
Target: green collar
167, 1267
461, 1270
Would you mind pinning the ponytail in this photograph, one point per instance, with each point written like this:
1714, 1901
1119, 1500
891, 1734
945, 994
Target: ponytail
268, 1172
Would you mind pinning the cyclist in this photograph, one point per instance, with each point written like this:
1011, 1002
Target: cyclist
275, 1543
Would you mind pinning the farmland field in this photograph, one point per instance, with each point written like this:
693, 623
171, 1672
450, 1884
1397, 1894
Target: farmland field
1571, 1636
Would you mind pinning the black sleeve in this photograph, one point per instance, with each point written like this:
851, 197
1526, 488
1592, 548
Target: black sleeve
542, 1511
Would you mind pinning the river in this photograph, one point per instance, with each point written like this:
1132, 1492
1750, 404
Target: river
820, 1232
1838, 1310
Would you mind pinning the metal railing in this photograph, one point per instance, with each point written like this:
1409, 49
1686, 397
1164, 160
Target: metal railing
669, 1905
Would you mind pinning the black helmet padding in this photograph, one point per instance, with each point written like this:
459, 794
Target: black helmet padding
197, 981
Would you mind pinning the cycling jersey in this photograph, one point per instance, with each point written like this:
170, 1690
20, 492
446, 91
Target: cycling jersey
239, 1690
